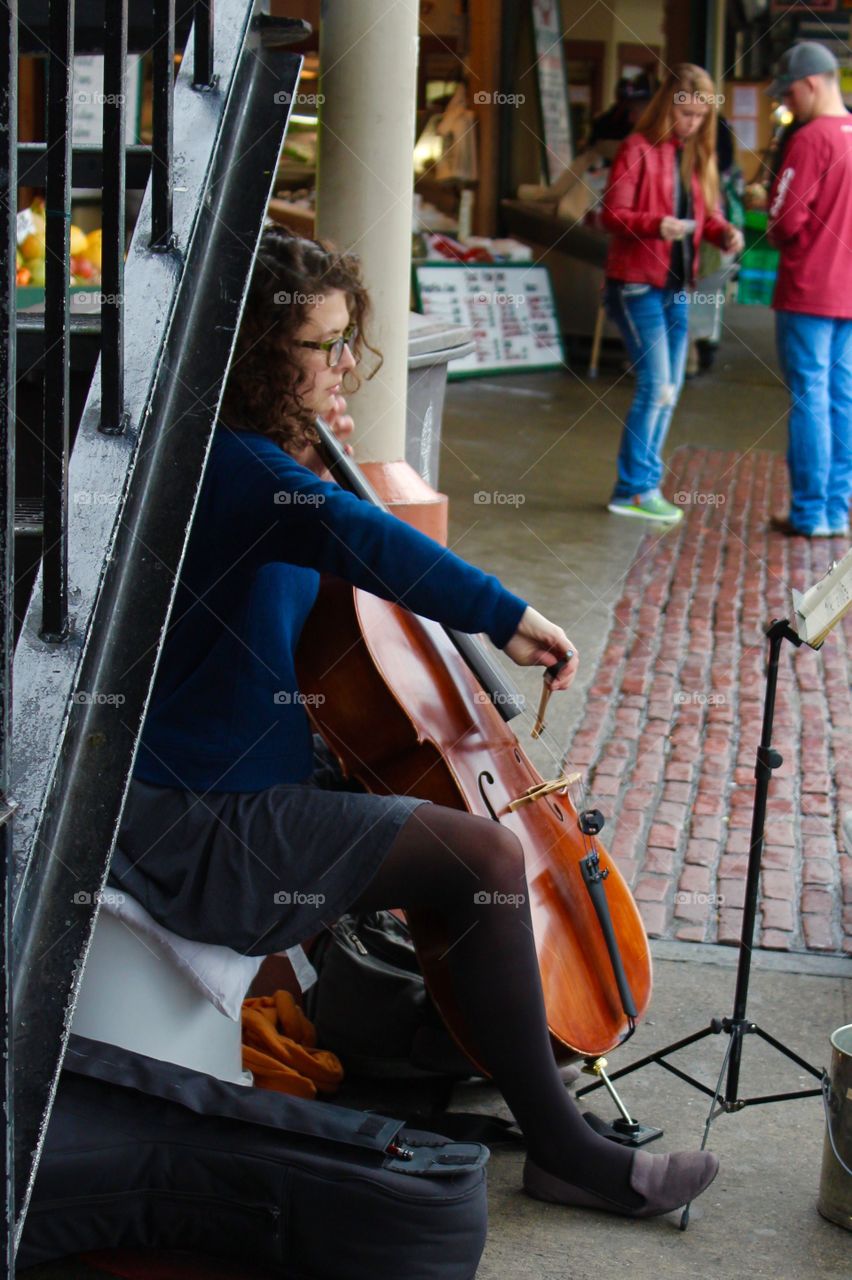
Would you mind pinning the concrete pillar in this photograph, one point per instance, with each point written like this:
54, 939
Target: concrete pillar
368, 83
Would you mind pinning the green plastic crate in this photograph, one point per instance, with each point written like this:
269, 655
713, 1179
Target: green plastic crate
32, 295
755, 286
756, 219
759, 263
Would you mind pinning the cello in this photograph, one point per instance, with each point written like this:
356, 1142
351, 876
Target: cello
411, 708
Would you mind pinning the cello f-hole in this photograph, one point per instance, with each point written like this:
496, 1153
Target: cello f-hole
484, 777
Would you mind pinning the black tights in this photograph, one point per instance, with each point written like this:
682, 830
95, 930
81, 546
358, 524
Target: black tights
446, 862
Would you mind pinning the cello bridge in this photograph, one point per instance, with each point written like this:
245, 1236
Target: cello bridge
542, 789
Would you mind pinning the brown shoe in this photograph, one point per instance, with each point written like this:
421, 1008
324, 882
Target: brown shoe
666, 1182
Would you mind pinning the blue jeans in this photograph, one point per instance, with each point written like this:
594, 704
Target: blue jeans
653, 323
815, 354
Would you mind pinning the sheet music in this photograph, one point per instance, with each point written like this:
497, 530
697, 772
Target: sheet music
824, 604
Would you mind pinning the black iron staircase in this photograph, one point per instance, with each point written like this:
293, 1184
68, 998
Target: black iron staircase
114, 511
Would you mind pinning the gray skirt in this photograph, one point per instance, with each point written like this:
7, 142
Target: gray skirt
254, 871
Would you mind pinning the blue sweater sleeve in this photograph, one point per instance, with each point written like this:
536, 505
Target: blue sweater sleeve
316, 524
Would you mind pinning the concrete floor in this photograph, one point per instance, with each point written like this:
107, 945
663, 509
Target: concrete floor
545, 444
759, 1217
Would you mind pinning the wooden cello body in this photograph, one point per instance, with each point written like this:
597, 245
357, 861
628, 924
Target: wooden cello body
404, 713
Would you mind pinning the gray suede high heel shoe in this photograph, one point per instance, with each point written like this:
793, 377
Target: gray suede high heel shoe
666, 1182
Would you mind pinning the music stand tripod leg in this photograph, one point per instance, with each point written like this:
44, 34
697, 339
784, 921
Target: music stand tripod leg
739, 1025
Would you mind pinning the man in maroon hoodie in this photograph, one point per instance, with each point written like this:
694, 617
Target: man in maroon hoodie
810, 222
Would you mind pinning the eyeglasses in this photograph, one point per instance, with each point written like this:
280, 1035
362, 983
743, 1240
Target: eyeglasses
333, 347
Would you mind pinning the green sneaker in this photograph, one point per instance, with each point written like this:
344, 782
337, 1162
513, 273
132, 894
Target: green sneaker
653, 508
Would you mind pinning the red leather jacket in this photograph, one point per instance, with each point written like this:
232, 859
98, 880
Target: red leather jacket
639, 195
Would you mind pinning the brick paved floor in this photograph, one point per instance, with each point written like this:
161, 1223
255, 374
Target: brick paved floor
674, 715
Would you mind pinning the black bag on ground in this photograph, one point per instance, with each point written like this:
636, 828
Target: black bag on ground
370, 1005
144, 1154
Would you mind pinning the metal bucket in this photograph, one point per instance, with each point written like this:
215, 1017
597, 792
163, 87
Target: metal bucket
835, 1187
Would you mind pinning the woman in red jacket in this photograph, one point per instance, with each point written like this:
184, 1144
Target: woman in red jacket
662, 200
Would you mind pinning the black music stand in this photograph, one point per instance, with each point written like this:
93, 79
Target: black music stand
739, 1025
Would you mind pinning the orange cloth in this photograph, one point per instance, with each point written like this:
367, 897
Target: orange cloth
279, 1048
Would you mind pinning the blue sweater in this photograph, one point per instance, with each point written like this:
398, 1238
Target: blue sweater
223, 713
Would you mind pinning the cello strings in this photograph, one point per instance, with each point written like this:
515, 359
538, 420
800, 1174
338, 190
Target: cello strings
579, 797
560, 759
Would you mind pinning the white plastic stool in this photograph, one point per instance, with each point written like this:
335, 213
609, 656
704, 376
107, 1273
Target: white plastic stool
133, 994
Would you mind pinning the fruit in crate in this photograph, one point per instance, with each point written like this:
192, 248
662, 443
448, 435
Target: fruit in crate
29, 258
78, 240
84, 250
83, 270
93, 248
33, 246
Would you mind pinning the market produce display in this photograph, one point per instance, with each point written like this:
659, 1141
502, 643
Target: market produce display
85, 263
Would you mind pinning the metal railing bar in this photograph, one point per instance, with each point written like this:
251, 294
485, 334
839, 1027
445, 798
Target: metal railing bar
87, 169
81, 322
54, 618
114, 419
162, 149
89, 26
202, 66
8, 360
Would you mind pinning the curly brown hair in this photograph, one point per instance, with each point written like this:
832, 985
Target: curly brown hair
290, 274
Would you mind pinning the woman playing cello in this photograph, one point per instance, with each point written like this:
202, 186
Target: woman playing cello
227, 836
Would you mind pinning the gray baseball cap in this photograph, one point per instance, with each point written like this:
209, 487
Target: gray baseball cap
807, 58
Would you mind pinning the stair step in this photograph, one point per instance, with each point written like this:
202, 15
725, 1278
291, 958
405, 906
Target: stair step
29, 517
276, 31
